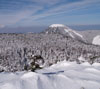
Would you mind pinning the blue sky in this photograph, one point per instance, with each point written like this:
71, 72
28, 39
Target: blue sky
16, 13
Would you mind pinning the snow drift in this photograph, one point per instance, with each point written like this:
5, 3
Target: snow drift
96, 40
63, 75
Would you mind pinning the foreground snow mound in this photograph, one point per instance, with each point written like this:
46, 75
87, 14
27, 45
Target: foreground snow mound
96, 40
63, 75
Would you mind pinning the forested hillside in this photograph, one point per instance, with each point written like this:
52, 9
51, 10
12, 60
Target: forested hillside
18, 51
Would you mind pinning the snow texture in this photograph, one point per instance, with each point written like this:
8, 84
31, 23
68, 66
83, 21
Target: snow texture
17, 50
70, 31
96, 40
57, 25
63, 75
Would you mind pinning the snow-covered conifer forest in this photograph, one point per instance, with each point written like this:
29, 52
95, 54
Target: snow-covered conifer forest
58, 58
17, 51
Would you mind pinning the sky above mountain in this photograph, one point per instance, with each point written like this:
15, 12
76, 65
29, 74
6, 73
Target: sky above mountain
45, 12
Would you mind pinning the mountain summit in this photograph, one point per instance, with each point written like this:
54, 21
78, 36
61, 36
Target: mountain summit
64, 30
57, 25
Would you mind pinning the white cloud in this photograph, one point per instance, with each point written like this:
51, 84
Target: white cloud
30, 15
2, 26
47, 2
64, 9
13, 18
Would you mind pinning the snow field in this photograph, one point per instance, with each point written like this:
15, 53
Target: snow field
63, 75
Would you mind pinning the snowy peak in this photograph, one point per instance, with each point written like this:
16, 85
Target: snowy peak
64, 30
57, 25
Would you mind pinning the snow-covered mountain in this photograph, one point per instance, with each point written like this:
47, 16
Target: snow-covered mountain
22, 53
96, 40
17, 50
65, 30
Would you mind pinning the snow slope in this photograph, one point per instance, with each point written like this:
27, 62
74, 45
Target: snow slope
63, 75
72, 33
96, 40
65, 30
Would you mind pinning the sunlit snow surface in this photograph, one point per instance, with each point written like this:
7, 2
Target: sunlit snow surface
96, 40
57, 25
63, 75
